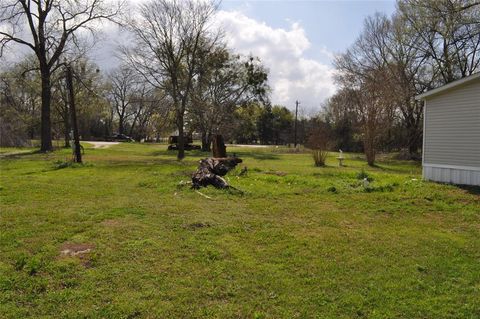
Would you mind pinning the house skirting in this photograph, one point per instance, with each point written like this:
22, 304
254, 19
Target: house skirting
464, 175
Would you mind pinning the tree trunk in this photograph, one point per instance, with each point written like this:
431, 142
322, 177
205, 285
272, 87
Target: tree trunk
370, 153
46, 125
206, 142
413, 137
73, 114
107, 128
369, 146
181, 140
413, 142
219, 149
121, 128
66, 120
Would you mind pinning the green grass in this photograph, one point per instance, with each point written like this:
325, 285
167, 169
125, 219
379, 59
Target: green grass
301, 242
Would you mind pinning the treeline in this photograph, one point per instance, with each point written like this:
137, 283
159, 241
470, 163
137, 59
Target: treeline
178, 75
423, 45
121, 101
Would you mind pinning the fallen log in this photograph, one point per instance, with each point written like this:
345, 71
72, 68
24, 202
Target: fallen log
211, 169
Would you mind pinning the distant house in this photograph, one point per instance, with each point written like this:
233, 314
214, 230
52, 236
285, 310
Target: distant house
451, 132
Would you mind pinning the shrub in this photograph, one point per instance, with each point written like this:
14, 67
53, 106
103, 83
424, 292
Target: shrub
319, 157
319, 142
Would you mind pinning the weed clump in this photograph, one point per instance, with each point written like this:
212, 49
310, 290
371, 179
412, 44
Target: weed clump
362, 175
64, 164
31, 264
332, 189
381, 188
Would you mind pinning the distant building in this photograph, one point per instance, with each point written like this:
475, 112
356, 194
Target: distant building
451, 132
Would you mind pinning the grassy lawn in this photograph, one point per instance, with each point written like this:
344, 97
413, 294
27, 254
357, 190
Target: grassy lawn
302, 242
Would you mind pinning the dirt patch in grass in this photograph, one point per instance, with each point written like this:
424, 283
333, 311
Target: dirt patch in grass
278, 173
112, 223
197, 225
69, 249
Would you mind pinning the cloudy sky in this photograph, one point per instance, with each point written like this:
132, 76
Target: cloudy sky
297, 41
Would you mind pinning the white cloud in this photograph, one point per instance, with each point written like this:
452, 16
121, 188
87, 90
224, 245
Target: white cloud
292, 75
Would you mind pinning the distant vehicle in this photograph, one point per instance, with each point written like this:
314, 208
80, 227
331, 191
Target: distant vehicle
187, 140
120, 138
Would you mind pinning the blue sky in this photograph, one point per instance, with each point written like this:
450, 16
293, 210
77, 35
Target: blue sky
297, 41
333, 25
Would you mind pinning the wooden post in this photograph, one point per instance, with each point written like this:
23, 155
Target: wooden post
73, 114
219, 149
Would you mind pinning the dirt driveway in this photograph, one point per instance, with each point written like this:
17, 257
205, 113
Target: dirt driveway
97, 144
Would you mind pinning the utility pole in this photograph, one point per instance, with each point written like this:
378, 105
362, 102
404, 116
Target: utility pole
296, 114
73, 114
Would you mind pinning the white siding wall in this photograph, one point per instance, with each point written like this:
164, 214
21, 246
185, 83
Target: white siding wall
451, 175
452, 135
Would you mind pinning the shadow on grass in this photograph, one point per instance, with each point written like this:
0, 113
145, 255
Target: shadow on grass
193, 153
256, 155
20, 154
385, 166
201, 154
171, 163
475, 190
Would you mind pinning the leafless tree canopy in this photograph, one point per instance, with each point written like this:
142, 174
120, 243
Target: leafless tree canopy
47, 27
170, 36
423, 45
448, 34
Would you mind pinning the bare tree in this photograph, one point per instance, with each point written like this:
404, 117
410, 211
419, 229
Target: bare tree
385, 47
369, 86
89, 96
147, 104
169, 37
365, 74
19, 95
19, 104
409, 76
374, 110
449, 32
125, 83
47, 27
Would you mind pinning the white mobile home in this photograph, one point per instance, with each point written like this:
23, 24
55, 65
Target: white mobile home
451, 132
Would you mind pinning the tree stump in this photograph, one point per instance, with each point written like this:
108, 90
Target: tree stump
219, 149
211, 169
